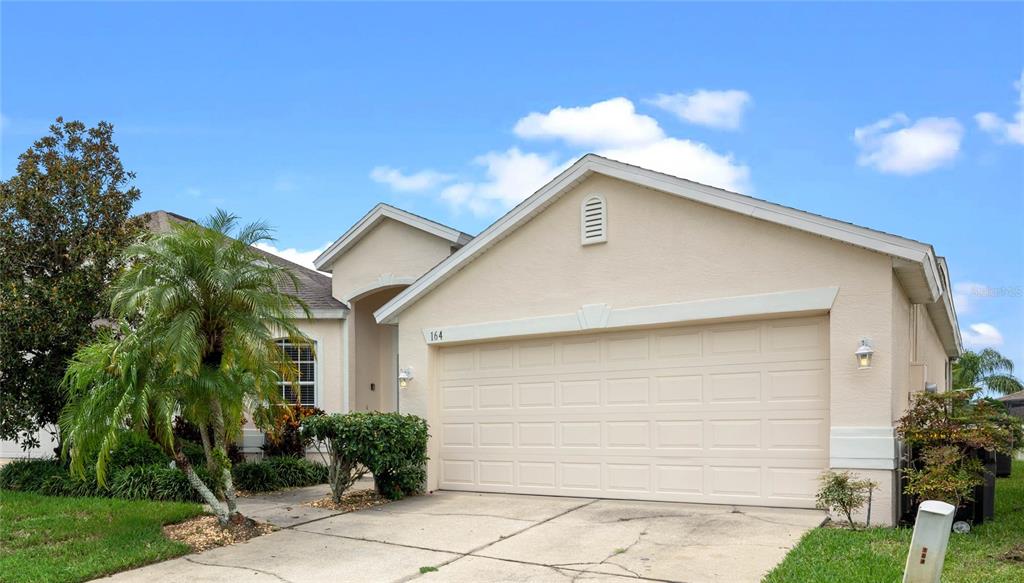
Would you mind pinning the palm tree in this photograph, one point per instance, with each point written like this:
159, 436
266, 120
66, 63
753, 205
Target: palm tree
985, 370
195, 315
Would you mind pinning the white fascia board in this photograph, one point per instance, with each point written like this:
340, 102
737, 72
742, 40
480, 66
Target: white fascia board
885, 243
377, 214
594, 317
321, 314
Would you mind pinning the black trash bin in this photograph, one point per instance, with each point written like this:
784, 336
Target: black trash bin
1004, 465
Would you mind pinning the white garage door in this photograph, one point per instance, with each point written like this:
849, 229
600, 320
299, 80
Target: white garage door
732, 413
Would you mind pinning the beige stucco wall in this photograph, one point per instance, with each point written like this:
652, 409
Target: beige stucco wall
930, 351
664, 249
372, 355
390, 251
903, 345
327, 335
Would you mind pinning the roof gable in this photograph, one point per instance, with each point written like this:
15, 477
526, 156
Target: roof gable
914, 262
377, 215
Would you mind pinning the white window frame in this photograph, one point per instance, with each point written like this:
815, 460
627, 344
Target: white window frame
317, 379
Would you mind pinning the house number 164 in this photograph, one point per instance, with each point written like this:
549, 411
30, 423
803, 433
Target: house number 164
436, 335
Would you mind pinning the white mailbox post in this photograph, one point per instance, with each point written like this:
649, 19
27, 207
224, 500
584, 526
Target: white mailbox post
928, 545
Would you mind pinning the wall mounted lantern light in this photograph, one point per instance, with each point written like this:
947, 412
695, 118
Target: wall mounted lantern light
864, 353
404, 376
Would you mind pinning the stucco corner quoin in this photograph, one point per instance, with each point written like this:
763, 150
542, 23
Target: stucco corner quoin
921, 273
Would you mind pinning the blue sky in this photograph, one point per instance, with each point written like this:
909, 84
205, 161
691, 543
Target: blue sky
904, 118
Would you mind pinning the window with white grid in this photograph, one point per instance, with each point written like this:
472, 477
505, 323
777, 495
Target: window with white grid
302, 355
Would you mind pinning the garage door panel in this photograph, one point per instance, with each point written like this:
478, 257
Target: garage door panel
733, 413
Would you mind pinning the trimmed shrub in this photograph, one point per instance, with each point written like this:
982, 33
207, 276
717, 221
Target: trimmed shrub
136, 450
390, 445
30, 475
293, 472
256, 477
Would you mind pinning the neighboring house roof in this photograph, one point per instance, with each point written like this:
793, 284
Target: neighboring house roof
314, 287
375, 216
923, 275
1013, 397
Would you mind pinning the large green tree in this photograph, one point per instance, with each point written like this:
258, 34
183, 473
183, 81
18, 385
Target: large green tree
985, 370
196, 314
64, 223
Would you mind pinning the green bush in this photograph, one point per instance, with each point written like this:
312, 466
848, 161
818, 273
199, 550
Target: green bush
392, 446
845, 493
68, 485
156, 482
256, 477
136, 450
29, 475
194, 452
294, 472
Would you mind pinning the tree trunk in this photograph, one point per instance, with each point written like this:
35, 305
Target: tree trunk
219, 439
218, 507
204, 435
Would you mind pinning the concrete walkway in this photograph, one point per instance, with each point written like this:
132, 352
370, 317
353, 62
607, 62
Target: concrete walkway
471, 537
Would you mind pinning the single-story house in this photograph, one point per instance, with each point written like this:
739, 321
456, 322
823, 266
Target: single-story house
622, 333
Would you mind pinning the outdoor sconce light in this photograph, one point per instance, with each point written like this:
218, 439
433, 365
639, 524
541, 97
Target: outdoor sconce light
864, 353
404, 376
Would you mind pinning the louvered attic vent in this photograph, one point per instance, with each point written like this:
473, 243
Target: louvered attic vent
593, 221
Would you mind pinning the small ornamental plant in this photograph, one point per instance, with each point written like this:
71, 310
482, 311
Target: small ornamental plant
844, 493
947, 431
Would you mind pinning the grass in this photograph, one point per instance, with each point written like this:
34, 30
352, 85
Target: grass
56, 539
877, 555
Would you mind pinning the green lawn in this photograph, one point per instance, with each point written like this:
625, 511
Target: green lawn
877, 555
44, 538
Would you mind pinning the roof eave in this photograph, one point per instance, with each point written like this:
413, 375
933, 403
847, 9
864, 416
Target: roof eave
915, 262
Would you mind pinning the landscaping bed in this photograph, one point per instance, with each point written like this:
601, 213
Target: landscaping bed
64, 539
351, 501
204, 532
990, 553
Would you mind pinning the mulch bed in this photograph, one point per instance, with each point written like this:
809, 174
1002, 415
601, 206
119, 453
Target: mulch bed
204, 532
351, 501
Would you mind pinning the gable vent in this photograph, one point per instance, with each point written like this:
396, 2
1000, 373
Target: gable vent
593, 220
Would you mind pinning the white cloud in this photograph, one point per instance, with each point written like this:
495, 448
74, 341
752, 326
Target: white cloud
193, 191
894, 145
981, 335
610, 123
611, 127
716, 109
422, 180
1007, 131
687, 159
511, 176
303, 258
966, 293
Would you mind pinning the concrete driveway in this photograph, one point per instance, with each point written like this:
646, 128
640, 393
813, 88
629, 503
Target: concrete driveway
496, 537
